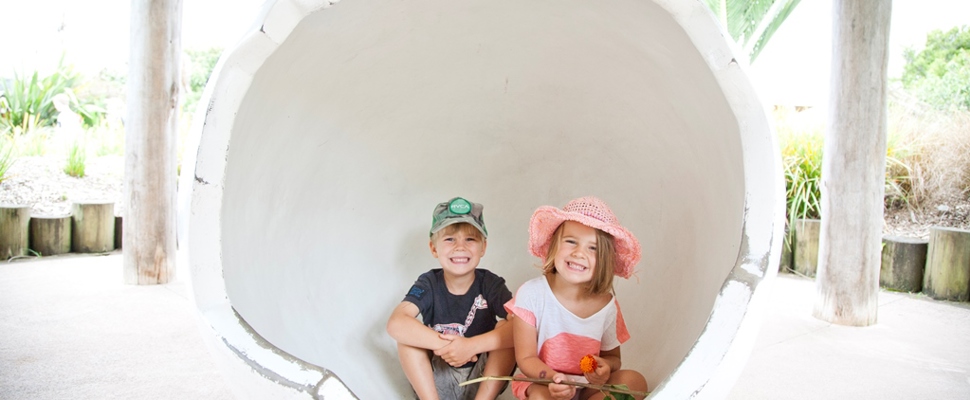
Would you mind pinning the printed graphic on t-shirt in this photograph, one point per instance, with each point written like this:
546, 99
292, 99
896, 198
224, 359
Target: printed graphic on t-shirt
459, 329
416, 292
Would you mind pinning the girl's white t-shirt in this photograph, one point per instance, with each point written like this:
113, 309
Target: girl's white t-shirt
565, 338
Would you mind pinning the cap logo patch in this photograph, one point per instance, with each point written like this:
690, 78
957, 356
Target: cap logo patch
460, 206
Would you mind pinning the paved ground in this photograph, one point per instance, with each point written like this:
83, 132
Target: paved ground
69, 328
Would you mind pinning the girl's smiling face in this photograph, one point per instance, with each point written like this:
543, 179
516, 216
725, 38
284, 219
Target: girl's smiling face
575, 258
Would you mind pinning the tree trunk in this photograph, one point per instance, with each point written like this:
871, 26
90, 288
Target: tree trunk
853, 165
150, 144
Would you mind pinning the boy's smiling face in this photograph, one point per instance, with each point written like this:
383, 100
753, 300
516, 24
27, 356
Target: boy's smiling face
458, 250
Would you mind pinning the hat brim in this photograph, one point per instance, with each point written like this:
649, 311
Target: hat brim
457, 220
546, 219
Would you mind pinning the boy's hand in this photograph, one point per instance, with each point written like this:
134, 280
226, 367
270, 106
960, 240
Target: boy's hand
558, 391
458, 352
601, 374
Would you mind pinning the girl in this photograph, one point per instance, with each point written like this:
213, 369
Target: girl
570, 311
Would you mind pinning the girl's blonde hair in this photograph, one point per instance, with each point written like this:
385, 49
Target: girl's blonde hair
602, 281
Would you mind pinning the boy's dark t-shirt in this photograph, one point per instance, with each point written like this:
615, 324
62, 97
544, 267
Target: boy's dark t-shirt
467, 315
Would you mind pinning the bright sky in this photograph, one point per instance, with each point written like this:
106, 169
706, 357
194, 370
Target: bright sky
95, 32
793, 69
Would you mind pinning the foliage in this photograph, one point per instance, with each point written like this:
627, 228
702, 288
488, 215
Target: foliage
76, 160
802, 160
928, 156
106, 140
32, 143
26, 102
940, 73
6, 156
201, 62
752, 23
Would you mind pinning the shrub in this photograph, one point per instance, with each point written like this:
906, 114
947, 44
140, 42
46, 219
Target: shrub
801, 142
33, 142
26, 102
934, 156
940, 73
202, 62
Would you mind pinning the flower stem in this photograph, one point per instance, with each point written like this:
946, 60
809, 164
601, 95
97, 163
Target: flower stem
602, 388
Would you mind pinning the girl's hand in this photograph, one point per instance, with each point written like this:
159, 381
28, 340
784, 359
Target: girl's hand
563, 392
601, 374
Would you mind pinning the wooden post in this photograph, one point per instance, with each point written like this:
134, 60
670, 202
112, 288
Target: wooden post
93, 227
786, 264
947, 275
806, 246
903, 261
119, 230
14, 228
150, 144
854, 165
50, 236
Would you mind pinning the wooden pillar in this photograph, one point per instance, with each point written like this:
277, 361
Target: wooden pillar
947, 275
854, 165
150, 143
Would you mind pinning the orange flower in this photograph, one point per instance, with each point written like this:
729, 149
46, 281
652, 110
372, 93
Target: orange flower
587, 363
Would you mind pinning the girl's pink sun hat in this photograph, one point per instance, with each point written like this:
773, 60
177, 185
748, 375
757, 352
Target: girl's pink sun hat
594, 213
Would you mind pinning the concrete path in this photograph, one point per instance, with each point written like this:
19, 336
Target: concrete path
918, 349
69, 328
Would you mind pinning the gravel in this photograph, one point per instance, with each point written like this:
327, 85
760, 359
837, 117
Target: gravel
41, 183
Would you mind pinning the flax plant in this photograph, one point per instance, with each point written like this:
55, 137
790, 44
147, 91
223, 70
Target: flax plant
801, 142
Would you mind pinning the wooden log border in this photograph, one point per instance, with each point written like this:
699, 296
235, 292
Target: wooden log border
947, 275
50, 236
14, 230
903, 262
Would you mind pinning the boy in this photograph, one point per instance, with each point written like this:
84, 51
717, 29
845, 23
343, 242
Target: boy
464, 333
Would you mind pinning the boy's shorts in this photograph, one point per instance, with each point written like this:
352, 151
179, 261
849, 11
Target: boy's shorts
447, 378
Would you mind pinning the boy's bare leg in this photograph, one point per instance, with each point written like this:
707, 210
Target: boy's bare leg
417, 367
499, 363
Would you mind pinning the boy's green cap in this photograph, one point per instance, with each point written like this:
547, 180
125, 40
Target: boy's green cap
455, 211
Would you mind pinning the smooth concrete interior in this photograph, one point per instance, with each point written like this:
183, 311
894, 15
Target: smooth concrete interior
332, 131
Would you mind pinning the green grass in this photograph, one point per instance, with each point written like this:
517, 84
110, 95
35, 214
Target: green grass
76, 159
